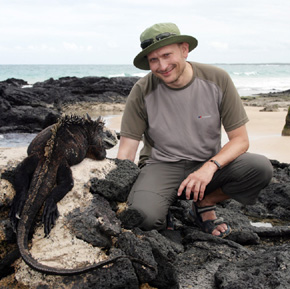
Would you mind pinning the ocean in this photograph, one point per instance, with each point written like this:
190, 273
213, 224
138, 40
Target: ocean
250, 79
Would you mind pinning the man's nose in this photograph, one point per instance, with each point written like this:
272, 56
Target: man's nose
162, 64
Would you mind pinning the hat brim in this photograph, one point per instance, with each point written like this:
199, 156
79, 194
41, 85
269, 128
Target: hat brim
140, 61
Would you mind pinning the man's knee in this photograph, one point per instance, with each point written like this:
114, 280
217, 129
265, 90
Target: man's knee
153, 222
263, 168
253, 173
152, 206
152, 219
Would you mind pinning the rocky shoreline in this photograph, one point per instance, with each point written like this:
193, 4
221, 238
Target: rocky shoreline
274, 100
30, 109
89, 230
25, 108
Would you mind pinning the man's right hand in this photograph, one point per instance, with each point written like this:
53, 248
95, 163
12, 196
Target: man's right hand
196, 182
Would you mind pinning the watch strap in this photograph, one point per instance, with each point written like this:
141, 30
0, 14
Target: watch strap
216, 163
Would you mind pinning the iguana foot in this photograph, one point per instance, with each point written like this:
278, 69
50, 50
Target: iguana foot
49, 216
15, 211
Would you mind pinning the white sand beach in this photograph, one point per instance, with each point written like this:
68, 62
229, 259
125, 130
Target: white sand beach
264, 129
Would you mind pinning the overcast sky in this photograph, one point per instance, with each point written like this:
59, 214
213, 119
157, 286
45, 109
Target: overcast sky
107, 31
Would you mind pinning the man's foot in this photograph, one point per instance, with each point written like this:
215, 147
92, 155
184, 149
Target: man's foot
206, 219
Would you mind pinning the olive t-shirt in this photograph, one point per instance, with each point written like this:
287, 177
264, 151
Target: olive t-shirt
183, 124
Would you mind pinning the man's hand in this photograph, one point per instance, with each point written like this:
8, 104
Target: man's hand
197, 181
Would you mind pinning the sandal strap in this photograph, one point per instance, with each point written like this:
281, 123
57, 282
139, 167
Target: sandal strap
209, 225
194, 214
219, 221
201, 210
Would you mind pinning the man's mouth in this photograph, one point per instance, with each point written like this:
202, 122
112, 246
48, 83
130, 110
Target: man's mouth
167, 72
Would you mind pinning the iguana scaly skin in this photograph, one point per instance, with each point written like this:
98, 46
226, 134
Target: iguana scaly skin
45, 177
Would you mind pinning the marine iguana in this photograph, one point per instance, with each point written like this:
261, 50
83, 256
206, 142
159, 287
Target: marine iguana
45, 177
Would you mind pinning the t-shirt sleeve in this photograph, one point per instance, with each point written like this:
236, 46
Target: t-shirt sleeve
233, 113
134, 120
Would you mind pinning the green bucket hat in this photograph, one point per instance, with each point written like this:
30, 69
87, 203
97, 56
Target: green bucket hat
157, 36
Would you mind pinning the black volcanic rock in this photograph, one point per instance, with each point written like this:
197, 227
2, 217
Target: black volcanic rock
286, 129
27, 109
250, 257
117, 184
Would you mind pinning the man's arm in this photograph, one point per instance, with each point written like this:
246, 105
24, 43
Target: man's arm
197, 181
127, 148
238, 144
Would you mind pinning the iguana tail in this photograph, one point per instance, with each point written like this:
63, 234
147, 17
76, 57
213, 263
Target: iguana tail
27, 257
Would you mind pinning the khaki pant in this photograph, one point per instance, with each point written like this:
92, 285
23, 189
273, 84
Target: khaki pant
156, 186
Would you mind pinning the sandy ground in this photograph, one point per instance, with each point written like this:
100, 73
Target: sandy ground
264, 130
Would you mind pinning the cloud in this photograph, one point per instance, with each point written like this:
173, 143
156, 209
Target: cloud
75, 47
221, 46
42, 47
108, 31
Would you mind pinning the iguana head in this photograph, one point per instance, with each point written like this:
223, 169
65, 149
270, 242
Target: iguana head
101, 139
110, 138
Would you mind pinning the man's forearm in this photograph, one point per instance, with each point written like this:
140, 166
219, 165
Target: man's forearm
127, 149
238, 144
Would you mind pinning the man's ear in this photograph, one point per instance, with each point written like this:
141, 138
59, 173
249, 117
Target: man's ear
184, 46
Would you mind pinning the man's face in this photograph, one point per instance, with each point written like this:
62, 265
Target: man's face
169, 64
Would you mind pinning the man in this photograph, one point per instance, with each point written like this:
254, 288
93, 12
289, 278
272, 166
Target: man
179, 108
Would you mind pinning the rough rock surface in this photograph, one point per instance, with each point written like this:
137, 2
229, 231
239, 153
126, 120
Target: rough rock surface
117, 184
278, 99
88, 230
30, 109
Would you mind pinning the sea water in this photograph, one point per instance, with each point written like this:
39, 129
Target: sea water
250, 79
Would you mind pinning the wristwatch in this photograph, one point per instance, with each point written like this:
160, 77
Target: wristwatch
217, 164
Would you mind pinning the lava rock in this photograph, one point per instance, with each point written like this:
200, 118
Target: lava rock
96, 223
29, 108
286, 129
117, 184
250, 257
265, 269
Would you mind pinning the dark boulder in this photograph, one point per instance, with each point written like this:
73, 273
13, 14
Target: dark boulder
27, 108
286, 129
264, 269
117, 184
96, 223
